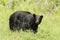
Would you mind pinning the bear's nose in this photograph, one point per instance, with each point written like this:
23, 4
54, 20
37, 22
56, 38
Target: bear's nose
37, 21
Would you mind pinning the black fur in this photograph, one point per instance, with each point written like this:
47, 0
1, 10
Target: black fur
24, 20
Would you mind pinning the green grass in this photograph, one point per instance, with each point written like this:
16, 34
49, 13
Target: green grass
49, 29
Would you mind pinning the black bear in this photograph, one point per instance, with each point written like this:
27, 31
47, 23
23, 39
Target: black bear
24, 20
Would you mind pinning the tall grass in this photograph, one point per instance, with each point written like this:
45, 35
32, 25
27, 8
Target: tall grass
49, 29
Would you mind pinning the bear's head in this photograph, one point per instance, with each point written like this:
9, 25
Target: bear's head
37, 19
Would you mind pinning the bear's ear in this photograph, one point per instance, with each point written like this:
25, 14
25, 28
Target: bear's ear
40, 19
34, 17
41, 16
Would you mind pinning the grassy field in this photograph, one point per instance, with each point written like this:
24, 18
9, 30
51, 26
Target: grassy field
49, 29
